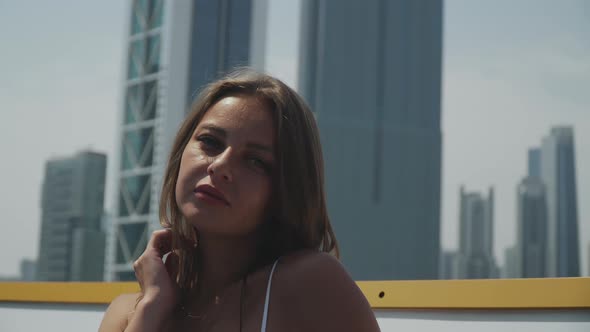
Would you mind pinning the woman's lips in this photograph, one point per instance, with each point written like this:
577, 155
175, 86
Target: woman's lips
210, 194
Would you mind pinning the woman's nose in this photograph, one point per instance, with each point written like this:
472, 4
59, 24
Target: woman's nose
221, 167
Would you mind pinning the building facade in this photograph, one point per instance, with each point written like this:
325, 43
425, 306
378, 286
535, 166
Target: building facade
371, 72
511, 268
476, 236
28, 270
558, 172
448, 265
534, 162
532, 228
174, 49
71, 208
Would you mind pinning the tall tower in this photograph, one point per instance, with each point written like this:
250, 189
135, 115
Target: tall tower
534, 162
558, 172
531, 237
476, 227
371, 72
175, 49
532, 228
511, 263
448, 265
72, 242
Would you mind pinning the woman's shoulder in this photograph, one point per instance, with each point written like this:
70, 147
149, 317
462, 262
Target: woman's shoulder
126, 299
315, 286
305, 272
117, 314
311, 265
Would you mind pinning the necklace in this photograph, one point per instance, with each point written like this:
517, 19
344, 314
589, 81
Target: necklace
187, 314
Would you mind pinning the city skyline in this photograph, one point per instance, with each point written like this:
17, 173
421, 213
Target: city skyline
486, 126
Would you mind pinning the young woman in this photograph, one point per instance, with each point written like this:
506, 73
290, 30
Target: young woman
247, 242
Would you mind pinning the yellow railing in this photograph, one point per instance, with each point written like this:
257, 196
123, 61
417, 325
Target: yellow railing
436, 294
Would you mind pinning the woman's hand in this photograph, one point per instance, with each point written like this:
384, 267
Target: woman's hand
156, 278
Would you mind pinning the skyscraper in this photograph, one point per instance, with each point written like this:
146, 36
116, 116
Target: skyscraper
511, 263
28, 270
175, 48
531, 236
534, 162
532, 228
448, 265
71, 243
476, 236
558, 173
371, 72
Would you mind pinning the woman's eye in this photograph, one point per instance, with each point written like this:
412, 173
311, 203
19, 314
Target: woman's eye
210, 142
259, 163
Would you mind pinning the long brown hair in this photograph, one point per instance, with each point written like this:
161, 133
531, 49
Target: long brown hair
299, 216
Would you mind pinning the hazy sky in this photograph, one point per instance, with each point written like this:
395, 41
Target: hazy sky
512, 69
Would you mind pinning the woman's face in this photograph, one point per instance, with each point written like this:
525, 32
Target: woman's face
224, 183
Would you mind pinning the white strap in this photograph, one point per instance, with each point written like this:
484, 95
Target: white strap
265, 315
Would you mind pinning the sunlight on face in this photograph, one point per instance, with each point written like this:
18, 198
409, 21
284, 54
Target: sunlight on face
225, 179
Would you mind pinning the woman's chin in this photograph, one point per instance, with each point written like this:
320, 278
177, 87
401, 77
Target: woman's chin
201, 223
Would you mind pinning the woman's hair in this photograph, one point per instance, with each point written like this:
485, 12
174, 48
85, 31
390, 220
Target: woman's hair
299, 219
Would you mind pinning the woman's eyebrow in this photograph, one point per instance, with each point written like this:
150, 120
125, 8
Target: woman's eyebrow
217, 130
261, 147
223, 133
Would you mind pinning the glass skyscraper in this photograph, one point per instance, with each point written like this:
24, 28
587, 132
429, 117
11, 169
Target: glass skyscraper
532, 228
448, 265
174, 49
476, 240
371, 72
531, 237
558, 171
72, 242
534, 162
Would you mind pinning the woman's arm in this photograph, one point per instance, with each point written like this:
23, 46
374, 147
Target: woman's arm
124, 315
159, 292
321, 296
118, 313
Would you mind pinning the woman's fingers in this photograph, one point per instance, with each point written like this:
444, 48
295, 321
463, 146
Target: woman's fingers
161, 241
153, 274
172, 263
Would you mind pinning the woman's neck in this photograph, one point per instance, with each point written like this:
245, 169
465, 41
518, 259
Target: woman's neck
221, 263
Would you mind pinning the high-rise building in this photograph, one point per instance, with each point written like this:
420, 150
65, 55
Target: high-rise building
532, 228
71, 242
558, 172
511, 263
534, 162
28, 270
448, 265
476, 236
174, 49
371, 72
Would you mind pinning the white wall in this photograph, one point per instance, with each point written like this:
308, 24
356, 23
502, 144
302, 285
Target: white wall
15, 317
484, 321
